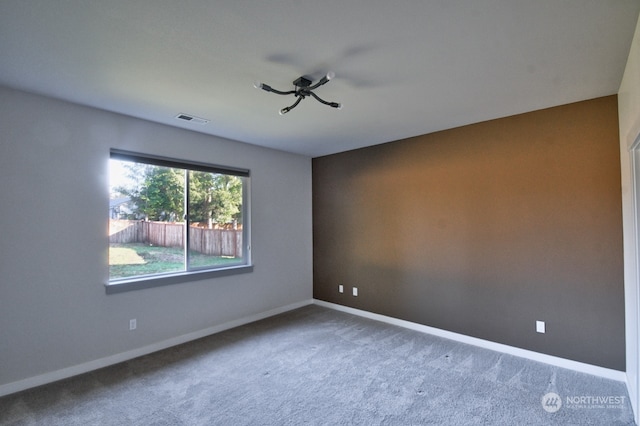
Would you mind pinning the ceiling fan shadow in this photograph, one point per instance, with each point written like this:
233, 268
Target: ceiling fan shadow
341, 63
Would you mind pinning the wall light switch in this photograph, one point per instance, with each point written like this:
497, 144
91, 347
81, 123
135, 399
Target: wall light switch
540, 327
355, 291
133, 324
341, 288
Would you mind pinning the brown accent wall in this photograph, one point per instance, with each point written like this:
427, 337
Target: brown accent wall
484, 229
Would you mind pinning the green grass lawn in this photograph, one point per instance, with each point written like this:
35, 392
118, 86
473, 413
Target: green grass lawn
135, 259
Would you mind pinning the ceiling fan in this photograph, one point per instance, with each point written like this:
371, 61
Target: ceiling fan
302, 89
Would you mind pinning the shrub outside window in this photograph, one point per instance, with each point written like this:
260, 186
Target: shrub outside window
172, 221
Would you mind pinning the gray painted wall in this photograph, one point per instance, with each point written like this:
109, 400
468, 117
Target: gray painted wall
54, 312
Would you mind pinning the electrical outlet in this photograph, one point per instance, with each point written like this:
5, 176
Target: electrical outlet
133, 324
540, 327
355, 291
341, 288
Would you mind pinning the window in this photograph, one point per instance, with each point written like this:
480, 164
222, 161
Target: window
172, 221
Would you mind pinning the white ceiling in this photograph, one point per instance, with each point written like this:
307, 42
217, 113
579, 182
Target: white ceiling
402, 68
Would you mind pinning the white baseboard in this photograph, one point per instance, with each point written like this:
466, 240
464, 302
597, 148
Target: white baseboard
86, 367
486, 344
64, 373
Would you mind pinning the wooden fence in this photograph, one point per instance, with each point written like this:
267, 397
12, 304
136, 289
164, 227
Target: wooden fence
215, 242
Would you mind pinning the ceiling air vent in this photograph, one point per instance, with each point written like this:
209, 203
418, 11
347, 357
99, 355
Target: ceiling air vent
192, 118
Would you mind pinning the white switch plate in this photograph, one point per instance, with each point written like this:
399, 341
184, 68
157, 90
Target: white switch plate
133, 324
341, 288
540, 327
355, 291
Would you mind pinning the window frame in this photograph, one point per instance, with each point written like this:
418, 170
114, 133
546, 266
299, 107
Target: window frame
119, 285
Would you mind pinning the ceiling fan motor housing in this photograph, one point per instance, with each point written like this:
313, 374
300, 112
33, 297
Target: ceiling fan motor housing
302, 82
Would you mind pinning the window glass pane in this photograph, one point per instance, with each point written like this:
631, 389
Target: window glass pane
215, 220
169, 218
146, 225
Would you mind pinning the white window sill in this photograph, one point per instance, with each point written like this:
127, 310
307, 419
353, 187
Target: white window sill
123, 285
